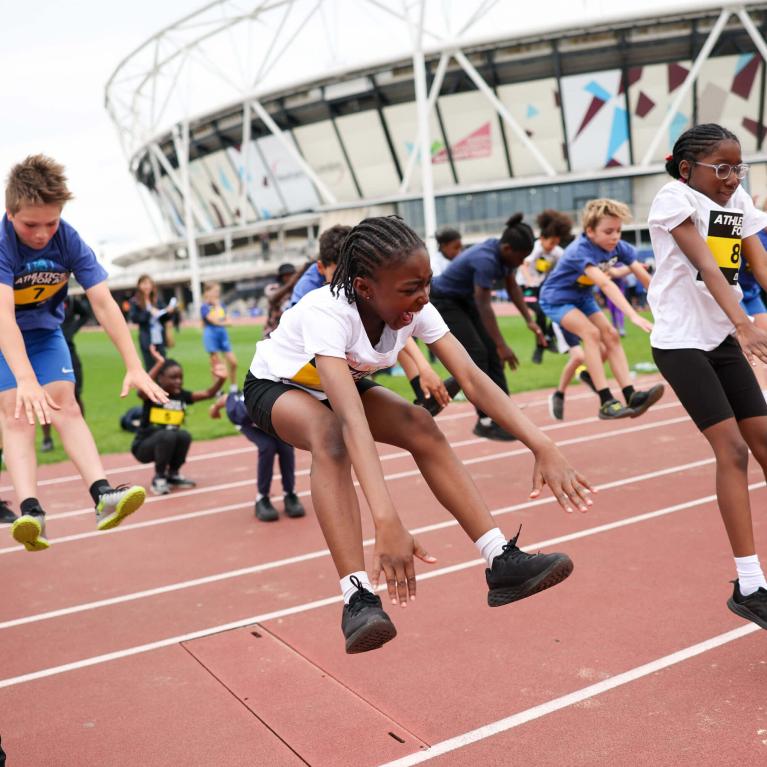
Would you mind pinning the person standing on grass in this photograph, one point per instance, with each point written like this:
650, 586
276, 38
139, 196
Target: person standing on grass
463, 296
215, 336
151, 317
38, 252
309, 384
702, 224
567, 298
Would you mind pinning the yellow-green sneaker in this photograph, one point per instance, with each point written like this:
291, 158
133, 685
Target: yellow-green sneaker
29, 530
613, 409
116, 504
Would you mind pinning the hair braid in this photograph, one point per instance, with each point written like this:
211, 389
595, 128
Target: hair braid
372, 244
694, 142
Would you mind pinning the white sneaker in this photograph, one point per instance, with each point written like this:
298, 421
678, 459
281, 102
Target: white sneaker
160, 486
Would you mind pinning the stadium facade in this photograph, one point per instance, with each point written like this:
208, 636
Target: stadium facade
544, 117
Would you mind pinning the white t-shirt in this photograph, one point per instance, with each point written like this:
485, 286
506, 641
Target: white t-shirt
321, 323
686, 314
538, 265
438, 263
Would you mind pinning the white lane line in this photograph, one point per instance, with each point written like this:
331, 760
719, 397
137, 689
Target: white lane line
250, 448
397, 475
300, 558
557, 704
296, 609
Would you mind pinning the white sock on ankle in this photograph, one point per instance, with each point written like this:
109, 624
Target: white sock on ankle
348, 588
491, 544
750, 575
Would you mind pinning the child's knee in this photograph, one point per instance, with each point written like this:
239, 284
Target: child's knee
734, 452
327, 442
590, 334
419, 427
610, 337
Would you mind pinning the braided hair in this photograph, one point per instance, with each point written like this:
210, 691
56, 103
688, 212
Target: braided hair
518, 235
695, 142
374, 243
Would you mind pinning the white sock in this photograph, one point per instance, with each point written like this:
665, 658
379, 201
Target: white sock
750, 575
233, 388
491, 544
348, 588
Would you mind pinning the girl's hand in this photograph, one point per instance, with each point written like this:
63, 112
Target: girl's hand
506, 355
753, 341
432, 386
641, 322
215, 411
393, 555
139, 379
568, 486
35, 401
539, 337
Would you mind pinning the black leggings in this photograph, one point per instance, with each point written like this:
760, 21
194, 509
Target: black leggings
166, 447
462, 317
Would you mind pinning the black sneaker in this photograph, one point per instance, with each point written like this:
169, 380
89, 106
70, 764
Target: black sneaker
515, 574
365, 624
265, 511
752, 608
557, 405
537, 357
431, 404
642, 400
493, 431
7, 517
293, 507
176, 480
612, 409
585, 376
29, 530
46, 446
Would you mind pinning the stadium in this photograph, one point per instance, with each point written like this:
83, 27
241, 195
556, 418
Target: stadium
245, 145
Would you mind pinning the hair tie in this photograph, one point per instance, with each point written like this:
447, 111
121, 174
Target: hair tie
669, 157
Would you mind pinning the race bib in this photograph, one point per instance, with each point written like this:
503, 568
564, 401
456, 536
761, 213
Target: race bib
723, 239
161, 416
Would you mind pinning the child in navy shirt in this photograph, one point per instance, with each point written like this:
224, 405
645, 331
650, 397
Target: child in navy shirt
567, 298
38, 252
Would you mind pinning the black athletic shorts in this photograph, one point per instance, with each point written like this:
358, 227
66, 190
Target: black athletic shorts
261, 394
712, 386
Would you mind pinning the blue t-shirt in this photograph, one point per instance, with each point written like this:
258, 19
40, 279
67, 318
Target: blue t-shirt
217, 312
568, 282
310, 280
478, 266
750, 287
40, 278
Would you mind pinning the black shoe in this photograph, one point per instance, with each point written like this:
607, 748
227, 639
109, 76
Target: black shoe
47, 445
265, 511
557, 405
293, 507
431, 404
365, 624
537, 358
585, 376
176, 480
612, 409
493, 431
515, 574
642, 400
7, 517
752, 608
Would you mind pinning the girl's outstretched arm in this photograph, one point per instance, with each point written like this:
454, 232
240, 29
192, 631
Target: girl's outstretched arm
395, 547
569, 487
219, 376
752, 340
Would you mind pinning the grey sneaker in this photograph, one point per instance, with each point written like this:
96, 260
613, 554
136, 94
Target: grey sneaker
160, 486
29, 530
117, 503
46, 446
265, 511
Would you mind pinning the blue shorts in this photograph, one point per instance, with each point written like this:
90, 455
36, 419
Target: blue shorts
215, 339
49, 356
586, 303
753, 305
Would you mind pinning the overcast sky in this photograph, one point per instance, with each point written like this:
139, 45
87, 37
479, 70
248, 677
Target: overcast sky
56, 57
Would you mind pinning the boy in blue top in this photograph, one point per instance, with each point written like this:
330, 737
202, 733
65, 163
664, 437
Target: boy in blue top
215, 336
38, 252
567, 298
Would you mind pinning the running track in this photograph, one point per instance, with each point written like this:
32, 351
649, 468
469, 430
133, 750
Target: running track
194, 635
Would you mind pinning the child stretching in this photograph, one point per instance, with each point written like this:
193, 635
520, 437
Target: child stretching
160, 438
308, 384
700, 224
215, 336
38, 251
268, 446
567, 298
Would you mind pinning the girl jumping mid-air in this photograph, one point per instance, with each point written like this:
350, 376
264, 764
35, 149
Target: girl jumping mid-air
309, 385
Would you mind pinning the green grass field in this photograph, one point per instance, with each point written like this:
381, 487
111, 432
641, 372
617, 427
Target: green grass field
103, 373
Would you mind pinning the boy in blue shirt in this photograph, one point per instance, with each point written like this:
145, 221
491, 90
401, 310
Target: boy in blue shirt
567, 298
38, 252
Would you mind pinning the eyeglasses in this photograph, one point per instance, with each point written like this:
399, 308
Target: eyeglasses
723, 170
